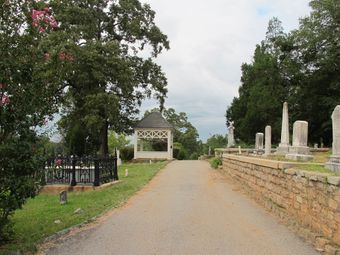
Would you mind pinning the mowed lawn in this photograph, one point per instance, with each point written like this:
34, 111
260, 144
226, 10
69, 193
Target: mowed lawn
36, 220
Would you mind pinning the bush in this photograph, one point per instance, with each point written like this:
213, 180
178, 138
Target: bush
194, 156
127, 153
20, 171
215, 162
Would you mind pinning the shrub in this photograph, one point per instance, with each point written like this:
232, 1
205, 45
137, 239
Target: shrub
215, 162
19, 177
194, 156
127, 153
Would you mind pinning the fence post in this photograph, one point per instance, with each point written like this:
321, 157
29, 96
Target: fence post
96, 173
73, 181
115, 168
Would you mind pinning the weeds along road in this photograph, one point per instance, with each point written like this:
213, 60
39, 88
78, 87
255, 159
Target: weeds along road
188, 208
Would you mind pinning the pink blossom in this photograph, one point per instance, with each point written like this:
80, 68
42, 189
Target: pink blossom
47, 56
4, 100
64, 56
58, 162
44, 16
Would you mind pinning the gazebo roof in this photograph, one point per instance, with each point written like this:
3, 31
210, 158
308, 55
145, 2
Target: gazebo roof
154, 120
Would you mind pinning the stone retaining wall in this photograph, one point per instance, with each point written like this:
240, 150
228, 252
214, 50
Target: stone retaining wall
307, 200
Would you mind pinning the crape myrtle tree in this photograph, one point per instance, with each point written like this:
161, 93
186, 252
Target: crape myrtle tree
105, 70
27, 98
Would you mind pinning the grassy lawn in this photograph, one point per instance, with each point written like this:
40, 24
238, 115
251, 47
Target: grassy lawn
313, 165
35, 221
319, 157
316, 168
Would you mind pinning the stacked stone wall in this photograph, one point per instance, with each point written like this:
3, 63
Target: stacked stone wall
306, 200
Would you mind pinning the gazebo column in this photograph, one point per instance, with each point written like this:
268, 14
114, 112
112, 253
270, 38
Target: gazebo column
136, 144
169, 145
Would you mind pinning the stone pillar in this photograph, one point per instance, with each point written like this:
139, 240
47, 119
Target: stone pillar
169, 145
231, 139
268, 140
334, 160
259, 141
299, 150
119, 161
284, 144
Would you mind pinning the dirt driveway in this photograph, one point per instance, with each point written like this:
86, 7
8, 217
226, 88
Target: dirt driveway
188, 208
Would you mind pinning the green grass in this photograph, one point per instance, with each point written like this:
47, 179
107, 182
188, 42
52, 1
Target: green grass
319, 157
35, 221
313, 165
316, 168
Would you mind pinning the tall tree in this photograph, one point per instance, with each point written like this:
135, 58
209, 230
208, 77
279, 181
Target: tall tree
301, 67
101, 44
263, 89
317, 52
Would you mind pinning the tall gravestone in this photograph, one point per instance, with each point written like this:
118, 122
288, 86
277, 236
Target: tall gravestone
268, 141
231, 139
299, 150
334, 160
283, 148
259, 142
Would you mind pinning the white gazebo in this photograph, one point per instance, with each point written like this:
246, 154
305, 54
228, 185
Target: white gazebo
153, 138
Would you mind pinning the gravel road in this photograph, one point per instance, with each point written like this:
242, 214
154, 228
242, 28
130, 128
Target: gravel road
188, 208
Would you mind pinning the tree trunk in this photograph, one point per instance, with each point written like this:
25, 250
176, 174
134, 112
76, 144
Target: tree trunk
104, 147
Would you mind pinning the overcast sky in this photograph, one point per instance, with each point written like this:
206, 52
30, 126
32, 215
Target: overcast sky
209, 41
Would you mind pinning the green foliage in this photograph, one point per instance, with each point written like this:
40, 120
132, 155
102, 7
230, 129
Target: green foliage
127, 153
31, 98
194, 156
215, 162
215, 141
118, 141
301, 67
50, 149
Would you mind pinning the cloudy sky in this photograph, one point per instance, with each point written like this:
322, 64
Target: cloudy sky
209, 41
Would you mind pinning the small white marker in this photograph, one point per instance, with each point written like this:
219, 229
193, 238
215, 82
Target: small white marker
126, 172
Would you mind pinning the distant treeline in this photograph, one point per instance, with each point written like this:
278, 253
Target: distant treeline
301, 67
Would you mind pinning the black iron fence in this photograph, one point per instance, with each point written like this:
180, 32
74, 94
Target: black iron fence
84, 170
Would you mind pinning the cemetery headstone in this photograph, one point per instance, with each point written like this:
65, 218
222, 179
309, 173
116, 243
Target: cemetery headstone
284, 144
299, 150
259, 143
334, 160
231, 139
268, 140
63, 197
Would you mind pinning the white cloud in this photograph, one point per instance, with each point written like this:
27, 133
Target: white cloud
209, 41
